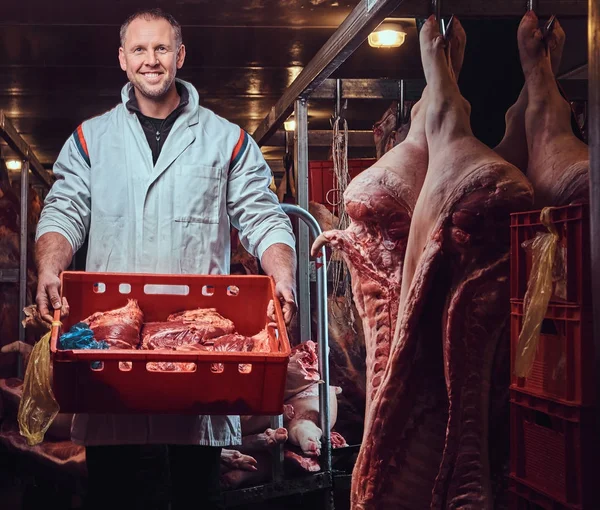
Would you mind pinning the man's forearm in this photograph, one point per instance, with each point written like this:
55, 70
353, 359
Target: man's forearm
279, 261
53, 253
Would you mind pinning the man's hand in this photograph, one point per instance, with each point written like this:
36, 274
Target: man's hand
48, 297
286, 292
279, 261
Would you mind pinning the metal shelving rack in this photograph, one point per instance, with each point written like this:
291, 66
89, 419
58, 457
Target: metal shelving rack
29, 163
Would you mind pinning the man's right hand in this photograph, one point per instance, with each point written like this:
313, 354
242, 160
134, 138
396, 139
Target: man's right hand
48, 297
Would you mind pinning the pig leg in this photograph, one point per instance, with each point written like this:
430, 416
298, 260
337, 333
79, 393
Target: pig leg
558, 162
513, 147
233, 459
265, 440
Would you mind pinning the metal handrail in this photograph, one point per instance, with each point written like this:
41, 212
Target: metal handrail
323, 333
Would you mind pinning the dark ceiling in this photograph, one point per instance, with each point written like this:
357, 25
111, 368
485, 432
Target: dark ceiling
58, 60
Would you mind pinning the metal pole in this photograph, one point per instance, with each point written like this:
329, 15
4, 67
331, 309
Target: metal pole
277, 453
301, 166
594, 145
323, 334
338, 99
23, 256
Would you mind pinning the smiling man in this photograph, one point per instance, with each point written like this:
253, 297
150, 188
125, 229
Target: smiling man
155, 184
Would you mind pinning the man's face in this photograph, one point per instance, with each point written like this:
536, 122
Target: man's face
150, 56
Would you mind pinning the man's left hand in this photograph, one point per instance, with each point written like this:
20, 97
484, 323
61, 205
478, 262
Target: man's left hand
286, 292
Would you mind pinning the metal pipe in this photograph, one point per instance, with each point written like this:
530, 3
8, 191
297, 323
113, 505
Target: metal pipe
301, 169
277, 453
323, 338
402, 101
23, 255
594, 147
531, 5
338, 98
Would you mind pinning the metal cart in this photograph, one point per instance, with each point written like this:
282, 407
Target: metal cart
323, 480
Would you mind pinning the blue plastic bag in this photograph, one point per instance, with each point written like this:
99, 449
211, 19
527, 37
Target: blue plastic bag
80, 336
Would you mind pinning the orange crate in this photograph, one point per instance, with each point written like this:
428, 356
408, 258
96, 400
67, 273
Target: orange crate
563, 368
572, 224
523, 497
552, 448
217, 386
321, 179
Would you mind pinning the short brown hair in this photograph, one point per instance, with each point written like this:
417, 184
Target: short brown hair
152, 14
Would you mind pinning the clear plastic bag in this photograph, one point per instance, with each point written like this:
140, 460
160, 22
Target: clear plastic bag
544, 271
38, 407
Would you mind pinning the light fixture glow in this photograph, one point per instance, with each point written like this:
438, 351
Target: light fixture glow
387, 35
13, 164
290, 125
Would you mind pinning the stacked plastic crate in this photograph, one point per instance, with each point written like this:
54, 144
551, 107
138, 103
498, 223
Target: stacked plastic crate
552, 433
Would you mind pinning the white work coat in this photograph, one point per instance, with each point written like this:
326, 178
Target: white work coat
173, 217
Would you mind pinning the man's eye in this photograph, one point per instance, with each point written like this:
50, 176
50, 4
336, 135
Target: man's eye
162, 49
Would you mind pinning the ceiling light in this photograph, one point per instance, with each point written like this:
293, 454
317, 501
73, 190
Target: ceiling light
13, 164
290, 125
387, 35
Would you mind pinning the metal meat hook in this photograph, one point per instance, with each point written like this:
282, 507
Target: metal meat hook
547, 31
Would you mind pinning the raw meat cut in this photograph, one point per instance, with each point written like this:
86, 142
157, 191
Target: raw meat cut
426, 432
206, 322
173, 335
347, 366
558, 165
380, 202
120, 327
303, 369
299, 463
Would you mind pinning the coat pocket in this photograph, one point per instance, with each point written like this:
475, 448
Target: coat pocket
197, 194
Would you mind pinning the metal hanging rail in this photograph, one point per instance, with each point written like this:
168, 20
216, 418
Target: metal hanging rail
367, 15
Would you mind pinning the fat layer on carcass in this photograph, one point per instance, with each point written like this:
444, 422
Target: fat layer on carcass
426, 433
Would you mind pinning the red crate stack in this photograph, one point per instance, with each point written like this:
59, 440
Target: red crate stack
551, 448
321, 179
563, 368
572, 225
552, 430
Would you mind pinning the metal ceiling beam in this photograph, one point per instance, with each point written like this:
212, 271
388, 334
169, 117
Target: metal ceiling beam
366, 16
383, 88
20, 146
493, 9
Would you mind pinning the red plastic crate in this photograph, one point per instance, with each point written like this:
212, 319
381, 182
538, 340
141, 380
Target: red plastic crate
321, 179
563, 368
217, 386
523, 497
572, 224
552, 448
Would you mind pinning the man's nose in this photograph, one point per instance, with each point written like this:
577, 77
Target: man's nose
151, 58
